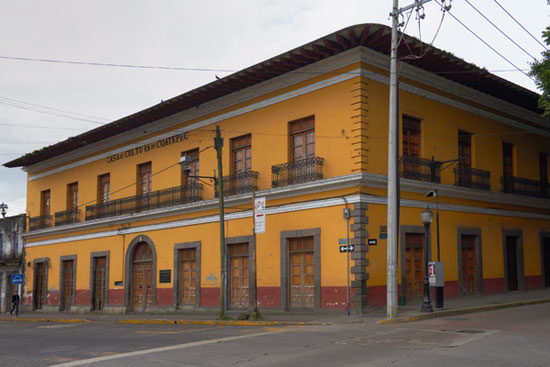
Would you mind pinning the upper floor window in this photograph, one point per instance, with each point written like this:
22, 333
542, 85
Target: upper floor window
72, 196
144, 178
544, 162
465, 149
302, 138
194, 166
508, 159
241, 152
103, 188
411, 136
45, 203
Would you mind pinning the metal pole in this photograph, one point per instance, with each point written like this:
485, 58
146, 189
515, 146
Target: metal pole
347, 266
393, 177
426, 303
218, 144
254, 314
439, 293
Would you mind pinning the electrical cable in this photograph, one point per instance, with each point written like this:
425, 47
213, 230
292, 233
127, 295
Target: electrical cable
518, 23
500, 30
485, 43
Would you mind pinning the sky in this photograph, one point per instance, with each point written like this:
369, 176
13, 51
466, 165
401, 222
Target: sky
42, 103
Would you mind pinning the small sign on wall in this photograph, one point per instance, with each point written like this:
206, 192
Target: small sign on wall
165, 276
119, 283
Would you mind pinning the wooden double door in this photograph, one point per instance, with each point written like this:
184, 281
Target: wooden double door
414, 266
239, 275
67, 296
142, 278
99, 295
188, 276
39, 291
468, 265
301, 272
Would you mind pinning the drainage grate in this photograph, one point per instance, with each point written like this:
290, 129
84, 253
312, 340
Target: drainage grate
470, 331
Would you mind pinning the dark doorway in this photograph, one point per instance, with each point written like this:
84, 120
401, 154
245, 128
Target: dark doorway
512, 262
99, 283
68, 285
414, 258
469, 264
546, 260
39, 285
142, 278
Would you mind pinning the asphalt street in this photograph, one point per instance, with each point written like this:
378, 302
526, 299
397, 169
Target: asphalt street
509, 337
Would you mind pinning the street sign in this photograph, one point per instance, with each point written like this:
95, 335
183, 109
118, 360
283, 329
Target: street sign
348, 248
342, 241
372, 242
17, 278
259, 215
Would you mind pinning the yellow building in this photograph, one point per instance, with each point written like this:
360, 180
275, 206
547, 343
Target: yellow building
114, 225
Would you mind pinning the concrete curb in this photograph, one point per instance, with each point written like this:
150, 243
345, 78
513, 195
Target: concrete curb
167, 321
462, 311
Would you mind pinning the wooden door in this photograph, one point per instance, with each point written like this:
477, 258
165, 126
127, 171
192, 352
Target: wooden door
68, 285
414, 265
411, 147
100, 283
301, 272
188, 273
238, 275
512, 262
508, 166
39, 285
465, 156
469, 265
142, 278
546, 260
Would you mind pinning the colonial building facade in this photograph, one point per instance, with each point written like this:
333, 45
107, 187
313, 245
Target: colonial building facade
11, 256
115, 226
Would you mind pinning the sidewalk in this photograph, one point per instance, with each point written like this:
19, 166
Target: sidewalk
410, 312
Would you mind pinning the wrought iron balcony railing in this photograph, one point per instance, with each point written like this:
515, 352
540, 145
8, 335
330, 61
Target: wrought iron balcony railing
67, 217
419, 169
524, 186
299, 171
473, 178
239, 183
153, 200
41, 222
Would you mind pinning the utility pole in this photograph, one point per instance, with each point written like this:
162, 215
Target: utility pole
218, 145
393, 159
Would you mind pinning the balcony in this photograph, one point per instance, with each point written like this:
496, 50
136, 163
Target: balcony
41, 222
419, 169
472, 178
153, 200
67, 217
524, 186
297, 172
239, 183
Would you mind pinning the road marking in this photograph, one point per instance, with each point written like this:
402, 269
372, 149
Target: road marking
175, 332
168, 348
56, 326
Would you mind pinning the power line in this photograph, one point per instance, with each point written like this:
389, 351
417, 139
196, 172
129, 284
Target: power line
518, 23
43, 127
500, 30
484, 42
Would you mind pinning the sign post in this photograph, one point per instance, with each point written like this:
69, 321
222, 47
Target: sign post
17, 279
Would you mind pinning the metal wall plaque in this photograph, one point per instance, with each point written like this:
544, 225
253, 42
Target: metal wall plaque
165, 276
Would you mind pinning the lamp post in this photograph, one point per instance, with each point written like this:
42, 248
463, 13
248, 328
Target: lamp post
427, 218
439, 293
3, 208
185, 163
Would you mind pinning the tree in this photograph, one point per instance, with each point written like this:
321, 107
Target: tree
540, 70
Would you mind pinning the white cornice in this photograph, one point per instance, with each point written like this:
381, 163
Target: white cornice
331, 184
313, 204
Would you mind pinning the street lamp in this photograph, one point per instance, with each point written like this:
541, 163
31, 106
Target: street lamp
3, 208
438, 289
185, 163
427, 218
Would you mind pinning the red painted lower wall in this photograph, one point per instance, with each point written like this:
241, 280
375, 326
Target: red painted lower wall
493, 285
533, 282
52, 298
269, 296
333, 297
82, 297
165, 297
116, 297
210, 297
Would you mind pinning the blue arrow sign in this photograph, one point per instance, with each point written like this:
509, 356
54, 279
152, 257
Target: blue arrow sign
17, 278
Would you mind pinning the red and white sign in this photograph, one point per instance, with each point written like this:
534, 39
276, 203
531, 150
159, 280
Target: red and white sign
259, 215
431, 273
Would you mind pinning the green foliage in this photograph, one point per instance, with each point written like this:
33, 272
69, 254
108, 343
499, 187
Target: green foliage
540, 70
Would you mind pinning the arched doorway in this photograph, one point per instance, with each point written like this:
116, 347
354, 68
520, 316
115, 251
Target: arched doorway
142, 277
